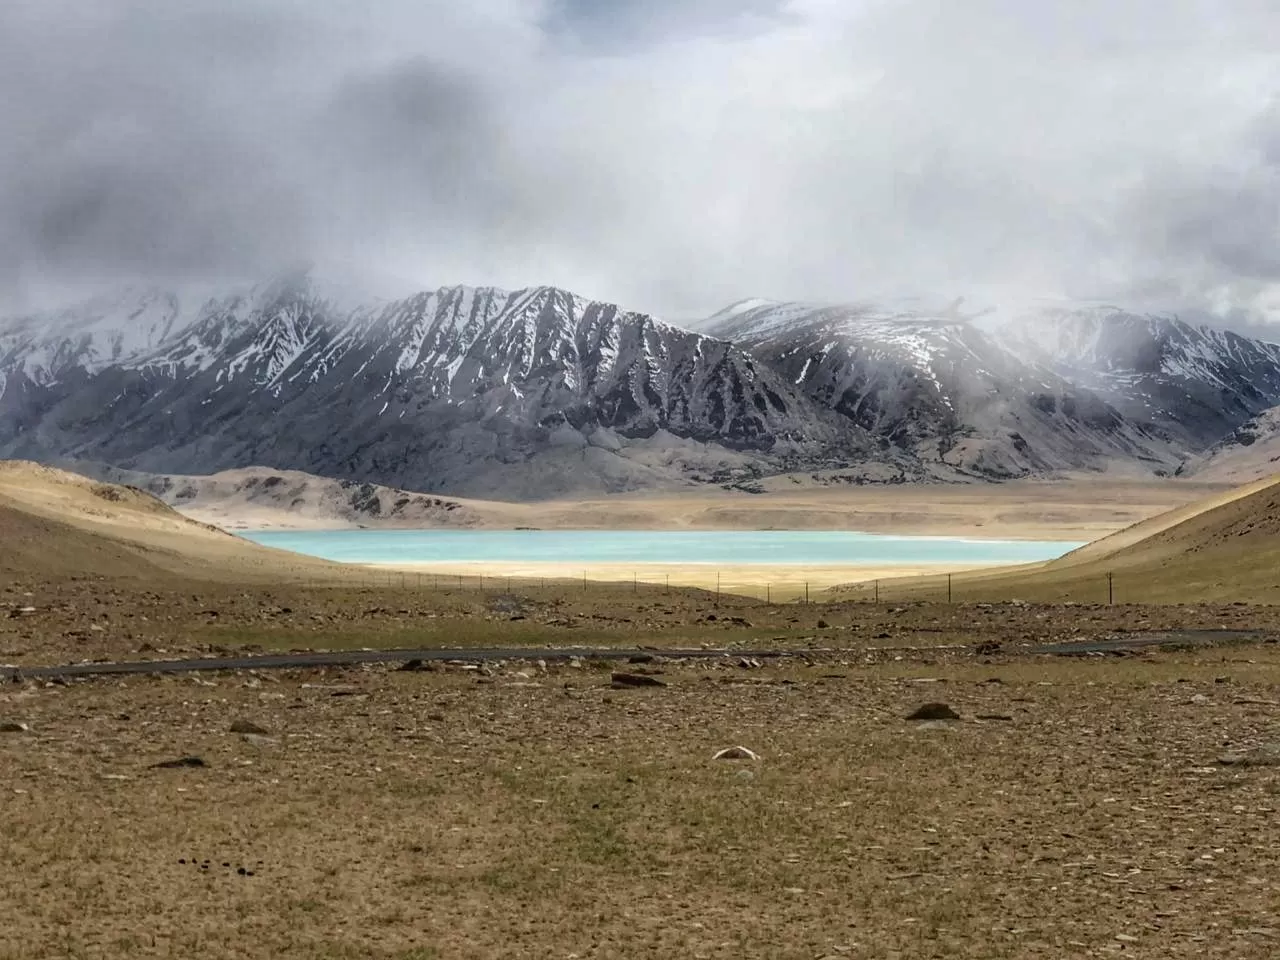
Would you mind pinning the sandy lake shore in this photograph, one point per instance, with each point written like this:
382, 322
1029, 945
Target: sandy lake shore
1076, 510
771, 581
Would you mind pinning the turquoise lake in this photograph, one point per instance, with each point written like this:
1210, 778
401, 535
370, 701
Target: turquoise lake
807, 548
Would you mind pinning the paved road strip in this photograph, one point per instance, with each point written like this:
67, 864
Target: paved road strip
342, 658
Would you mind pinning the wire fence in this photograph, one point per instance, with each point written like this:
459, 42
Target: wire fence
723, 586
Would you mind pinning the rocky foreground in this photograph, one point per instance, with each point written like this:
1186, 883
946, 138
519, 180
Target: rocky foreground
1039, 806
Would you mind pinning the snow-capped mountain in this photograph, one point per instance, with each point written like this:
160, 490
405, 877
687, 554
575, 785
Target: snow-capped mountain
1194, 383
938, 385
477, 391
540, 392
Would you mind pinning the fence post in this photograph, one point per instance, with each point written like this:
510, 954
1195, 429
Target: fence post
877, 601
1111, 593
717, 588
806, 593
948, 588
768, 593
584, 581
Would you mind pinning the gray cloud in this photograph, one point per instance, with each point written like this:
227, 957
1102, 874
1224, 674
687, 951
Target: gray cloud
672, 156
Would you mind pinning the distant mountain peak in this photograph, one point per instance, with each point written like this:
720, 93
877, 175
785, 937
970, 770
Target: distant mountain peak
539, 391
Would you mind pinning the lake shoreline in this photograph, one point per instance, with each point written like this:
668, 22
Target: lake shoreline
755, 563
763, 581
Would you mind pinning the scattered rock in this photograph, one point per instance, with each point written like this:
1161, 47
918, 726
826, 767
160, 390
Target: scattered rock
988, 648
933, 711
640, 658
179, 763
823, 625
993, 716
10, 726
258, 740
736, 753
635, 680
246, 726
1267, 755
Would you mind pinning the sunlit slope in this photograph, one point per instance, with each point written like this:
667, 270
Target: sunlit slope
1225, 548
59, 524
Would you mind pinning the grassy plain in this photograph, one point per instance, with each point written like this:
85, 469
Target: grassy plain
1108, 804
1076, 809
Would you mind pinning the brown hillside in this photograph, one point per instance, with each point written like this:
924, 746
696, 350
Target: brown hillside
1223, 549
56, 524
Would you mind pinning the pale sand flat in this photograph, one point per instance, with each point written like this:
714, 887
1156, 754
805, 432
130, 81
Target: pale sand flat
1073, 509
778, 581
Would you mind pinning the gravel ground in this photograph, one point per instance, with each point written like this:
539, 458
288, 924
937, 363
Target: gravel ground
1080, 807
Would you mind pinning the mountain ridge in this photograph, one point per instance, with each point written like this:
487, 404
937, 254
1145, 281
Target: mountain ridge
539, 392
428, 392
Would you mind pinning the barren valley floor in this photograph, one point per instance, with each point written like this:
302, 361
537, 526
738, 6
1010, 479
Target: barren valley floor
1079, 806
1069, 510
1120, 801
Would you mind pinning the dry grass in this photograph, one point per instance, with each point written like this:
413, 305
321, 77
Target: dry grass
1226, 548
531, 814
520, 813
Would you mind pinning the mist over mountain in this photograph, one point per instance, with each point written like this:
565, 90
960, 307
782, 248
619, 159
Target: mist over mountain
670, 156
541, 392
548, 159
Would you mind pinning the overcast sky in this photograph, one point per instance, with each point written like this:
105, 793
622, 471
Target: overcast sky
671, 155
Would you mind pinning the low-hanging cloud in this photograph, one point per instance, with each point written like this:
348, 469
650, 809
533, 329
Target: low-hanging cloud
670, 156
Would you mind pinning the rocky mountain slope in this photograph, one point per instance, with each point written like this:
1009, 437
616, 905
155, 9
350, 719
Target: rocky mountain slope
1250, 452
938, 385
540, 393
516, 394
1194, 384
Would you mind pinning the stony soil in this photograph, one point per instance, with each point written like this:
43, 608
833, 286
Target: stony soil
1080, 807
64, 621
